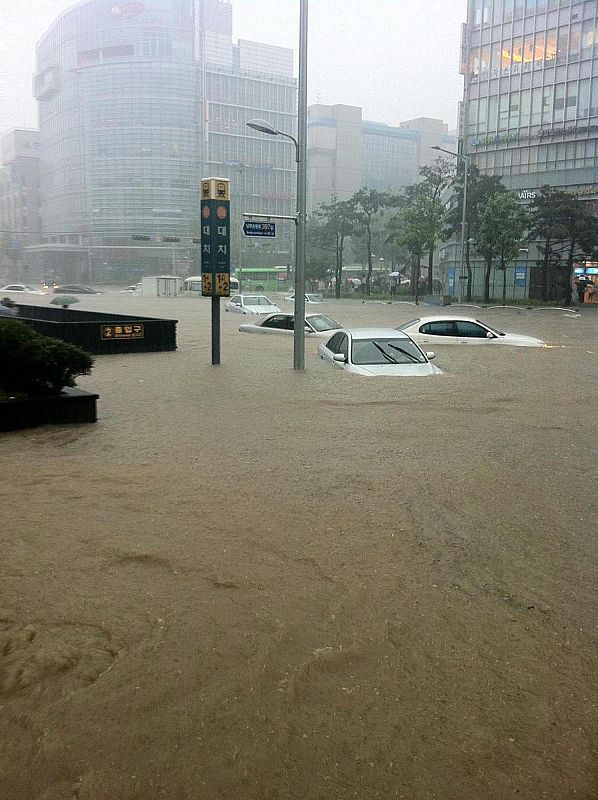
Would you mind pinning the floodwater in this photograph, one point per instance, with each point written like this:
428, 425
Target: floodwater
246, 583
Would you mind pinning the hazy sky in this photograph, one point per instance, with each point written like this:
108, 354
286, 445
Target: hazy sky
397, 59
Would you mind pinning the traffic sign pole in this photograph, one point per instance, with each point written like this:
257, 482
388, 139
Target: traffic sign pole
215, 250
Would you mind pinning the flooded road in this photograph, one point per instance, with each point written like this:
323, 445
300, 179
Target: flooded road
250, 583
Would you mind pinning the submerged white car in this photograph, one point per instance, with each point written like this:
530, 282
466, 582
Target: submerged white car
309, 298
377, 351
462, 330
317, 325
251, 304
20, 288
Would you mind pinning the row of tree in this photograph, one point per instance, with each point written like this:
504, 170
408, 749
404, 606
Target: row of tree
409, 227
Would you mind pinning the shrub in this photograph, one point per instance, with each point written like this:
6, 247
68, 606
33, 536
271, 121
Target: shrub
35, 365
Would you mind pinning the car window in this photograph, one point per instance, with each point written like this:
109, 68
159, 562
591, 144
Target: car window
334, 342
12, 288
470, 329
235, 299
343, 345
278, 321
439, 328
320, 322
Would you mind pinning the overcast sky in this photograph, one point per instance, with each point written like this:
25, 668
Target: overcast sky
397, 59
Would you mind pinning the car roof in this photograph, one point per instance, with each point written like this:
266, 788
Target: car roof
375, 333
443, 317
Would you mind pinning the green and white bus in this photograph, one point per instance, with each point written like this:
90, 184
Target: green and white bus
263, 279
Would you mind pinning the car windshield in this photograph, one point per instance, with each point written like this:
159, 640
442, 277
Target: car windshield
386, 351
257, 301
490, 328
320, 322
406, 325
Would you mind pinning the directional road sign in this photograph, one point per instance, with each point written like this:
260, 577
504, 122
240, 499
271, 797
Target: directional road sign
267, 229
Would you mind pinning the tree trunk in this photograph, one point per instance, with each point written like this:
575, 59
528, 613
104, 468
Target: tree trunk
340, 244
430, 268
469, 272
370, 264
418, 268
544, 275
487, 272
504, 284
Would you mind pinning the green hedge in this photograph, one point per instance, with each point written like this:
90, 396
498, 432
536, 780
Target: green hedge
34, 365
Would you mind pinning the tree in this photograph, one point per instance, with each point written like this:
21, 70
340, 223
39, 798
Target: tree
410, 228
10, 247
319, 249
502, 227
368, 202
480, 189
567, 228
339, 218
434, 179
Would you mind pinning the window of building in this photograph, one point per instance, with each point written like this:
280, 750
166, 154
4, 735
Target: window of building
547, 103
589, 39
551, 44
562, 45
503, 112
559, 102
526, 99
583, 102
118, 51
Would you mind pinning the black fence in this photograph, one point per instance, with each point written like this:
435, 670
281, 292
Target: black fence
102, 333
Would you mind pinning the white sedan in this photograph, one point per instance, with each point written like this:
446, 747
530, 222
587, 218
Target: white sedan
20, 288
251, 304
318, 325
309, 298
462, 330
377, 351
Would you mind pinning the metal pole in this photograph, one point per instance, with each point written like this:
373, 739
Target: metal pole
299, 332
463, 222
215, 331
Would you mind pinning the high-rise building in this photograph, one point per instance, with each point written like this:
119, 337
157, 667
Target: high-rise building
137, 102
346, 152
530, 108
531, 99
20, 222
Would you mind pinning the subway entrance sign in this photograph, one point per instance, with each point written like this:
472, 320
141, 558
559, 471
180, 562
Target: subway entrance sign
215, 237
267, 229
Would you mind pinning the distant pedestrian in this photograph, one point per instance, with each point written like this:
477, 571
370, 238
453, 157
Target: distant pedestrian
581, 285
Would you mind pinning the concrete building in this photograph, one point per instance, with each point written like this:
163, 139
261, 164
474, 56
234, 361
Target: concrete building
138, 101
20, 221
347, 152
530, 106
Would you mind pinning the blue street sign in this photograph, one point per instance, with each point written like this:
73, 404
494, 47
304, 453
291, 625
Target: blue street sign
520, 276
259, 229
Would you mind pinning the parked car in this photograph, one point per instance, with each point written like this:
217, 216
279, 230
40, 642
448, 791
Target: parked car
135, 288
309, 298
20, 288
251, 304
462, 330
377, 351
318, 325
74, 289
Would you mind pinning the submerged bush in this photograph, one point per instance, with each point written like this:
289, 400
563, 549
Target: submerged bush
35, 365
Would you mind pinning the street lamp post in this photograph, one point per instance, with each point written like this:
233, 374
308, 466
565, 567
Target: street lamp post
466, 159
301, 217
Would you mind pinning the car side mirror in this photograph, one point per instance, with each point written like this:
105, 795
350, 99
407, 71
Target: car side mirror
489, 335
308, 329
431, 356
340, 357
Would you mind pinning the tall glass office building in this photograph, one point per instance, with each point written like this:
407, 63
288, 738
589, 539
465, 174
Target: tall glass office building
139, 99
117, 88
530, 110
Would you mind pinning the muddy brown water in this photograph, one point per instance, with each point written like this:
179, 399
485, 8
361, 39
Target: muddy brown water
249, 583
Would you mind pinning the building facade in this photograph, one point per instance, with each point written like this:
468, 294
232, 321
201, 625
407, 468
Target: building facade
20, 218
530, 108
346, 152
138, 101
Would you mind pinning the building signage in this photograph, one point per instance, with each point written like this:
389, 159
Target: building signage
267, 229
215, 237
127, 10
578, 191
505, 138
124, 331
526, 194
520, 276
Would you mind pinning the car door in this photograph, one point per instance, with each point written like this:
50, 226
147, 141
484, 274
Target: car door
474, 333
438, 332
